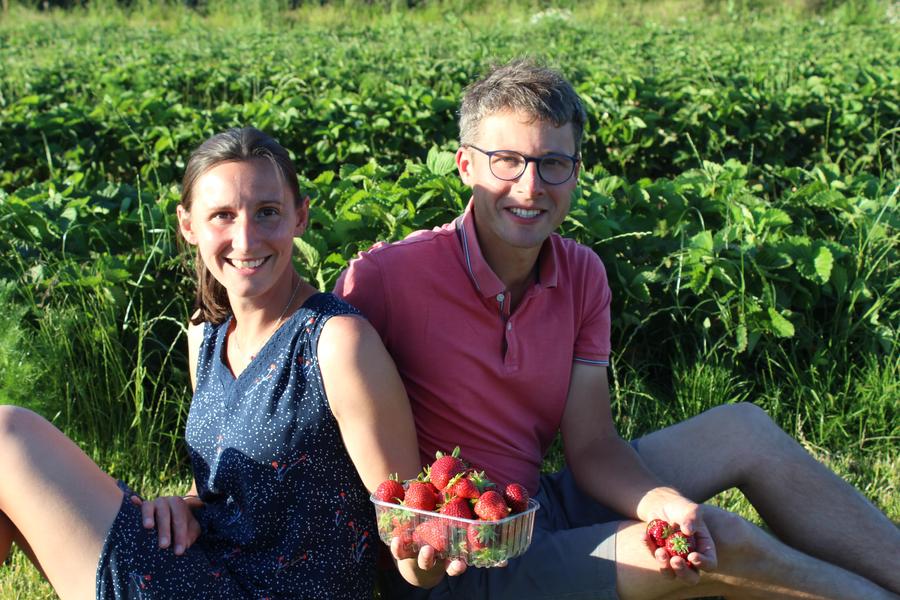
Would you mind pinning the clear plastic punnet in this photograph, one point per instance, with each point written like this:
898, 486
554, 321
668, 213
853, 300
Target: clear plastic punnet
479, 543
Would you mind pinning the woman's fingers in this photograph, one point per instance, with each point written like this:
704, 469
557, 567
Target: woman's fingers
163, 522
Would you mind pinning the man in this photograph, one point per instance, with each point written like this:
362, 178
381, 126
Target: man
500, 330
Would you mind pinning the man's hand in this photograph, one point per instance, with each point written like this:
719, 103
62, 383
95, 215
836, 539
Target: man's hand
173, 519
689, 517
424, 569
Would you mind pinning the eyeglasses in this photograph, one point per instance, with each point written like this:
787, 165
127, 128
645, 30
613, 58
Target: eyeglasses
553, 169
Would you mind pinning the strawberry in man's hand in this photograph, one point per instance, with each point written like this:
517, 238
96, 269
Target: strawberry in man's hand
679, 544
659, 530
670, 537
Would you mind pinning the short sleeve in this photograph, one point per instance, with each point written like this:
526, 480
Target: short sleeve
592, 341
362, 285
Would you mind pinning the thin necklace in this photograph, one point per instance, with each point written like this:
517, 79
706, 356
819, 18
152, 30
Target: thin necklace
237, 344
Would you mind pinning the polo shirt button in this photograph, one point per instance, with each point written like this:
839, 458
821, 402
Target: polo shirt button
509, 326
501, 297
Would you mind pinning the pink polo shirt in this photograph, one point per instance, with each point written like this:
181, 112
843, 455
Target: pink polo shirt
491, 382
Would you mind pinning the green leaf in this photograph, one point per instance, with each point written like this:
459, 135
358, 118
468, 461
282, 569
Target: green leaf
440, 162
307, 251
741, 338
703, 241
783, 327
823, 262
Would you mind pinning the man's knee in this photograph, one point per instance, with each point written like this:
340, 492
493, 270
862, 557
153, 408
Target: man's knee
745, 422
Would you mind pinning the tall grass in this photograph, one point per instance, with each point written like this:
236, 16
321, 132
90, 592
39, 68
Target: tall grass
117, 393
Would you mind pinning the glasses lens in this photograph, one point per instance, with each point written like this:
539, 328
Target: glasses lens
507, 165
555, 168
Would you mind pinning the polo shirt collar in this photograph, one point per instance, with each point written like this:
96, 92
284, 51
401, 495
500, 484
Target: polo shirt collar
481, 274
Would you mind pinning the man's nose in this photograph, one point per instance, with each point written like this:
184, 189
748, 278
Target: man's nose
530, 180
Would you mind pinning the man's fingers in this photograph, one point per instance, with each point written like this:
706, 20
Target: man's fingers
683, 571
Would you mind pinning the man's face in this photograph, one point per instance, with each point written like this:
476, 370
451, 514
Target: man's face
516, 216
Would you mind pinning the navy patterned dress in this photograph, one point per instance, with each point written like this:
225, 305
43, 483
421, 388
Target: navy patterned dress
286, 514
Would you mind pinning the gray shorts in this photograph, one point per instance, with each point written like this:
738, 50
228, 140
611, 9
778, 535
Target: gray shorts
572, 555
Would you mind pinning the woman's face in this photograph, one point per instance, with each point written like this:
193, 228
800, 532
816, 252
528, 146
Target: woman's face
243, 220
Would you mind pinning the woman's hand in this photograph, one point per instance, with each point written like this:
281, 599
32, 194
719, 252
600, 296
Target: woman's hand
424, 569
173, 519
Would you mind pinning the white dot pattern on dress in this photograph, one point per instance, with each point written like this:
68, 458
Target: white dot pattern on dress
286, 513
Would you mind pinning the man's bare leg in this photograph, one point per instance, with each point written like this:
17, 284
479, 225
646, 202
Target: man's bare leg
751, 564
804, 503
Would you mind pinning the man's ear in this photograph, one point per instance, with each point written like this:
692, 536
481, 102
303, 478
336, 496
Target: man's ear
184, 225
302, 217
464, 165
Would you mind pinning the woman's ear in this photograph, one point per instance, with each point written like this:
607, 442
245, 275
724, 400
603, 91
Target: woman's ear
184, 225
302, 217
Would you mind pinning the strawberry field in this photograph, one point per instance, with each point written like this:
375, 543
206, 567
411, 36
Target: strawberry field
740, 183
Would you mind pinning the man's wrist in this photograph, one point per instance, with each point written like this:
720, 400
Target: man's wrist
651, 505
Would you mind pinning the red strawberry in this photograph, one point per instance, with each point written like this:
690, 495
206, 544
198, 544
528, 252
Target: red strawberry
516, 497
490, 506
434, 533
659, 530
457, 507
420, 495
479, 536
679, 544
469, 485
404, 531
390, 490
444, 468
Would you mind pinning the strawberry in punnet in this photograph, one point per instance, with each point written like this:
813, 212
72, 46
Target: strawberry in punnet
479, 537
390, 490
516, 497
490, 506
434, 533
468, 485
445, 467
659, 530
679, 544
404, 531
421, 495
457, 507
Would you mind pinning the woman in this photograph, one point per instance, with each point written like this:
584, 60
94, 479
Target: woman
297, 410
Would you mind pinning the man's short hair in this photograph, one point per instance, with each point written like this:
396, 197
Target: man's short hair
525, 86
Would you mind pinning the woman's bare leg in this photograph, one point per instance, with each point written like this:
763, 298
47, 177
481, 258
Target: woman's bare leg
56, 499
